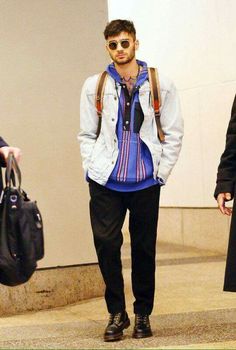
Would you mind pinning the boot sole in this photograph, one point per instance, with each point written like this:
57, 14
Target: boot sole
118, 336
139, 336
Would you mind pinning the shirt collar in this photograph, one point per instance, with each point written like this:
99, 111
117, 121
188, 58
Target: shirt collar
143, 76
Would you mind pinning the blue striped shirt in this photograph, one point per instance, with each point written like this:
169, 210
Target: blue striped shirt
134, 169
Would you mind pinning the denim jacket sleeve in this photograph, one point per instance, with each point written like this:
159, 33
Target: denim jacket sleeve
88, 122
172, 125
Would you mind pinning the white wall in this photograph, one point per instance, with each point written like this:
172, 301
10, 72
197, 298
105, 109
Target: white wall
47, 50
194, 43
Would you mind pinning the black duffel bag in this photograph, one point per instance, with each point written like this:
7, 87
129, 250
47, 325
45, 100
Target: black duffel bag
21, 230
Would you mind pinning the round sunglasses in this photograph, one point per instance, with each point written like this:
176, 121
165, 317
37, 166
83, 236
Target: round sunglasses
124, 44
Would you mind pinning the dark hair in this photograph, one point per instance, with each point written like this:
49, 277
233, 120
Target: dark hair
117, 26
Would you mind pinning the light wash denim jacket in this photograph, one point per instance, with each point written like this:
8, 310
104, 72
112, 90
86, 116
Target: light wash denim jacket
99, 156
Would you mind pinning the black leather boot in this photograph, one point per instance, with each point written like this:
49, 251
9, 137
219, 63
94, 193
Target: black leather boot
142, 327
117, 322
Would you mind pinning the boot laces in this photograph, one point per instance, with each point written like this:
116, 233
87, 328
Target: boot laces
117, 318
142, 319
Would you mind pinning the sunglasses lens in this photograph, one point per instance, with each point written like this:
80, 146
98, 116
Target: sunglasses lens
112, 46
125, 44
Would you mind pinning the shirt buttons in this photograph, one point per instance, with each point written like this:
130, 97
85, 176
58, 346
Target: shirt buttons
113, 119
115, 98
128, 103
127, 122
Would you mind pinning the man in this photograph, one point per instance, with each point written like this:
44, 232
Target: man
224, 192
125, 167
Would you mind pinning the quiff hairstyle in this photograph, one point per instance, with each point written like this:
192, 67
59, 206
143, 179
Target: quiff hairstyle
117, 26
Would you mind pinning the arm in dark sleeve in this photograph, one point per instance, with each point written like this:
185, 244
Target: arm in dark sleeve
226, 174
2, 142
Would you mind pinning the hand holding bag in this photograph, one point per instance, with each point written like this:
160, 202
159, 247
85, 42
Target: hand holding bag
21, 230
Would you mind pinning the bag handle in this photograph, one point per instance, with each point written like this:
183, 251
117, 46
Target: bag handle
11, 170
156, 99
99, 98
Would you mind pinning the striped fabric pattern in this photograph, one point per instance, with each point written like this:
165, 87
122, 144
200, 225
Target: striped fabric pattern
124, 156
134, 169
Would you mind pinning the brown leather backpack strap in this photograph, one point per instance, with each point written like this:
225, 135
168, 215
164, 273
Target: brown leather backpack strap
156, 99
99, 98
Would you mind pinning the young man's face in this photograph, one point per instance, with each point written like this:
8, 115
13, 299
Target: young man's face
121, 48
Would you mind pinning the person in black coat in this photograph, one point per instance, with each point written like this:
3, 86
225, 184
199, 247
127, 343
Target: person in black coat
225, 191
5, 150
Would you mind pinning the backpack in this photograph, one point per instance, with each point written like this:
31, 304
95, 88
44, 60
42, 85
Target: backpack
21, 230
155, 95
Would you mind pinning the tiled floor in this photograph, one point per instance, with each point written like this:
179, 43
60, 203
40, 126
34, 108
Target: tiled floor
191, 311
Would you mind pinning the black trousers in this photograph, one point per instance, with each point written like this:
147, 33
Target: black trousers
107, 212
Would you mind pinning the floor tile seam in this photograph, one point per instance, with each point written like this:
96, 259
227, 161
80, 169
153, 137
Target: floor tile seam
88, 320
208, 311
191, 261
184, 261
80, 343
49, 325
203, 342
37, 339
130, 341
